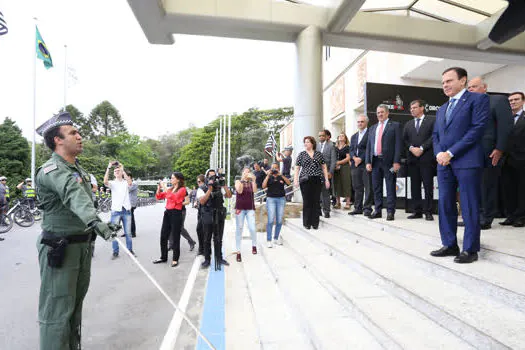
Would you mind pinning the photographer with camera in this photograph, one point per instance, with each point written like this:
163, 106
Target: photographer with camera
245, 208
213, 214
120, 203
275, 202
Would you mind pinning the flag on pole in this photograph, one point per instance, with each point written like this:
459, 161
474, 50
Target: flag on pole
270, 146
42, 52
3, 25
72, 76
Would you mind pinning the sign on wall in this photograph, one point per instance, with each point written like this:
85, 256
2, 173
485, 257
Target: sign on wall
398, 98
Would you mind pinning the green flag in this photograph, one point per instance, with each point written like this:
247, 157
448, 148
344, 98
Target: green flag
42, 52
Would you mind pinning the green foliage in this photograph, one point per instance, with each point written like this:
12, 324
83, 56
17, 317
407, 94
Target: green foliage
194, 158
105, 138
104, 121
250, 131
15, 155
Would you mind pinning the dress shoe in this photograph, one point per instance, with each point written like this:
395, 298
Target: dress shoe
519, 223
159, 261
507, 222
415, 216
429, 217
367, 214
192, 246
390, 217
466, 258
485, 226
376, 215
133, 235
307, 227
327, 215
315, 227
355, 212
461, 224
224, 262
446, 251
205, 264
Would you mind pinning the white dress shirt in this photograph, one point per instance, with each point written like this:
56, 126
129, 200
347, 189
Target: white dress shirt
360, 136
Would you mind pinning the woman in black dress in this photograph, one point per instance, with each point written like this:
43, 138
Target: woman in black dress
313, 174
342, 175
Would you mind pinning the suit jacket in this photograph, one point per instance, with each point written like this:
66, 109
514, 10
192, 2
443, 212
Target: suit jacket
499, 124
391, 143
423, 138
329, 155
358, 149
516, 143
463, 134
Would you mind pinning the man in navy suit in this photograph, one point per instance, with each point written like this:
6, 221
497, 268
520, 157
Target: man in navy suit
458, 131
383, 154
417, 136
361, 179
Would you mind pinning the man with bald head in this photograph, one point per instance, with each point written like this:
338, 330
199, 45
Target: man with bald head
494, 143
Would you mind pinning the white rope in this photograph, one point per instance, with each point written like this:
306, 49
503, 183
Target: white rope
175, 306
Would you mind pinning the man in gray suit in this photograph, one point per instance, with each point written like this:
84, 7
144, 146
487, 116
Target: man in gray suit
327, 148
494, 141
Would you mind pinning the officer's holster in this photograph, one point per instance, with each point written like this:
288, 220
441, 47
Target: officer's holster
58, 244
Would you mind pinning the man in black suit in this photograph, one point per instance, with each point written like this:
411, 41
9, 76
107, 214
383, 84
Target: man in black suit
514, 168
383, 155
417, 136
494, 142
361, 179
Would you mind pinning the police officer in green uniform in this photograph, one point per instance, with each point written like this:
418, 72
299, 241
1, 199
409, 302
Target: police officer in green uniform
69, 226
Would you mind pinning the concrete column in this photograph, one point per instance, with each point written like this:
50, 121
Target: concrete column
308, 99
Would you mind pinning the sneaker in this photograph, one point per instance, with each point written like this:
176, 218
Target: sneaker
115, 255
278, 241
270, 245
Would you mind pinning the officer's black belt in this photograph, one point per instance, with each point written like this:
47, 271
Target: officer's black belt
86, 237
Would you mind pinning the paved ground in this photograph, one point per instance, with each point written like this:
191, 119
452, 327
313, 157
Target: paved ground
122, 310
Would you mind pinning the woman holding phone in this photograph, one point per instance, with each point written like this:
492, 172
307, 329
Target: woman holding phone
172, 220
246, 187
275, 202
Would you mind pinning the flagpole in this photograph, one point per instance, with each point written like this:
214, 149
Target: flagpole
33, 149
65, 77
229, 146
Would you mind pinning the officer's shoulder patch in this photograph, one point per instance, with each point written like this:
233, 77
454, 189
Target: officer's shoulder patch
50, 168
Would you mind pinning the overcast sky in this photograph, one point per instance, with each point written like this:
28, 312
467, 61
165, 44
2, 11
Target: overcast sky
157, 89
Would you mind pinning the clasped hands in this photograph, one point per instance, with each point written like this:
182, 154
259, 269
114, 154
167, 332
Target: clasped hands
443, 158
416, 151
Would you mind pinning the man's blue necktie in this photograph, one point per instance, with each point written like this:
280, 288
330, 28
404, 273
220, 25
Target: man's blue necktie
418, 120
450, 108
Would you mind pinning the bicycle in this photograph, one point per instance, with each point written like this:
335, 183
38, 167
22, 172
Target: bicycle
35, 211
19, 214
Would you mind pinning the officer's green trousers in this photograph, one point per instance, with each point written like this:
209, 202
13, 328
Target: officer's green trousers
62, 292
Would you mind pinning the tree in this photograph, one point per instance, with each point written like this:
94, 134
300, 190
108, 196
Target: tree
15, 154
104, 121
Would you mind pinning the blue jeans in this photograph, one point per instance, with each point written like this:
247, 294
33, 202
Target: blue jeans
250, 219
275, 209
125, 215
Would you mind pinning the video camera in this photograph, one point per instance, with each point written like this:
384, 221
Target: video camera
217, 181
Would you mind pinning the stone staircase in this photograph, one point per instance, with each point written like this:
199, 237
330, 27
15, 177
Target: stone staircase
358, 283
